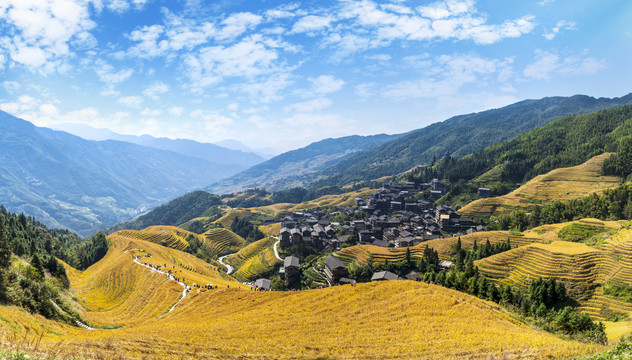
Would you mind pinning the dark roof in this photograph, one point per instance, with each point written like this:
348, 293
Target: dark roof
291, 261
333, 262
381, 243
413, 275
384, 275
263, 284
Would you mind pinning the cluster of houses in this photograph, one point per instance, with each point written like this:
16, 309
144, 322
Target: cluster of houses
394, 218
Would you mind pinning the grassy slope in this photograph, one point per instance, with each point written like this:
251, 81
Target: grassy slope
337, 322
560, 184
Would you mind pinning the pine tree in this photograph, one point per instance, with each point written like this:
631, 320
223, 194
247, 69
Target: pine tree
36, 262
5, 252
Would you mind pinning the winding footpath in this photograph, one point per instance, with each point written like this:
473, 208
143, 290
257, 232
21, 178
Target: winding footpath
221, 261
171, 277
276, 251
63, 312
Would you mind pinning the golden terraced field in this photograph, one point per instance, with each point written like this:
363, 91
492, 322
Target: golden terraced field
415, 321
559, 184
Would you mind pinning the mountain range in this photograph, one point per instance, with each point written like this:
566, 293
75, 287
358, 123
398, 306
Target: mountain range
68, 182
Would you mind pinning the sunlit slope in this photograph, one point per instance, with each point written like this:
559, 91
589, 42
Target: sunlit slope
583, 268
217, 241
116, 291
559, 184
243, 255
345, 199
257, 263
415, 321
362, 253
223, 241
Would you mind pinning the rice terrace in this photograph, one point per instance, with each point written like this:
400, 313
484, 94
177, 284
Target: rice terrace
324, 180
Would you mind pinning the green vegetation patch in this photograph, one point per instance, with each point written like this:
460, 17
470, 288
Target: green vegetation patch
577, 232
618, 290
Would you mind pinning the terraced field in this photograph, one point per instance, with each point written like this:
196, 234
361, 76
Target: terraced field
169, 236
223, 241
345, 199
362, 253
559, 184
259, 263
238, 259
271, 230
231, 214
583, 268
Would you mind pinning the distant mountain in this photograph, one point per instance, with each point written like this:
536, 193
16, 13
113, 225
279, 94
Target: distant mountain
265, 153
84, 185
207, 151
294, 167
459, 136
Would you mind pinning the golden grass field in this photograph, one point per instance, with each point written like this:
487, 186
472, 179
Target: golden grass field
345, 199
560, 184
582, 267
442, 246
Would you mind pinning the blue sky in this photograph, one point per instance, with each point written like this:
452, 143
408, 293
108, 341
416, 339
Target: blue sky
277, 74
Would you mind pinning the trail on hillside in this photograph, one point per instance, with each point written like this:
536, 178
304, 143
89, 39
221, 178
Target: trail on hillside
170, 277
63, 312
221, 261
276, 252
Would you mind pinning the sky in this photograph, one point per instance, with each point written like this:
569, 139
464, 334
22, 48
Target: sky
279, 75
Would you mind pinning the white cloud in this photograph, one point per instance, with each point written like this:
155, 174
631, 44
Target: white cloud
248, 58
447, 75
326, 84
310, 105
176, 111
155, 90
266, 90
237, 24
108, 74
41, 31
368, 25
131, 101
548, 63
311, 23
561, 25
10, 86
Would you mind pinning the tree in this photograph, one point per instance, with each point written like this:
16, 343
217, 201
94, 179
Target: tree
5, 252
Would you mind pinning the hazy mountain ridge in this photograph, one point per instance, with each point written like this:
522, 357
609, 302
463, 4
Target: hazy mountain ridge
211, 152
85, 186
294, 167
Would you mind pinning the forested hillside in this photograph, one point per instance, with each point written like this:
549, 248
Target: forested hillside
30, 274
565, 142
175, 212
460, 135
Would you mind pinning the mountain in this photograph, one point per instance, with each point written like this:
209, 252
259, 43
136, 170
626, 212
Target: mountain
84, 185
460, 135
293, 167
175, 212
266, 153
210, 152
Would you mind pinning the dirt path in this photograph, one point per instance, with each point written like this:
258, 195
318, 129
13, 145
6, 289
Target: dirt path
276, 251
63, 312
221, 261
171, 277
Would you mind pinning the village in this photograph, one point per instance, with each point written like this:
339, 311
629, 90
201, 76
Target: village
396, 216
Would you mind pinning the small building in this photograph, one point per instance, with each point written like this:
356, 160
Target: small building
445, 264
334, 268
365, 235
285, 237
484, 192
263, 284
413, 275
291, 267
384, 275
